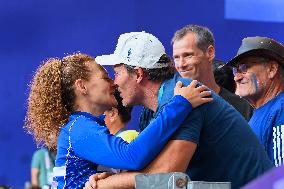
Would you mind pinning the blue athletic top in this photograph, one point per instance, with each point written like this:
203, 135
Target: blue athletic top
84, 142
227, 149
268, 124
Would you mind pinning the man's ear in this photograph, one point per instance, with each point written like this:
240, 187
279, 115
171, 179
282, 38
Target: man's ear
139, 74
273, 69
210, 53
80, 86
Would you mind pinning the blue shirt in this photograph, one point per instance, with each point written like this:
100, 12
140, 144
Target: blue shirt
227, 149
84, 142
268, 124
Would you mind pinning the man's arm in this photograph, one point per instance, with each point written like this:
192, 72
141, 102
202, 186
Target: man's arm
35, 167
174, 157
34, 176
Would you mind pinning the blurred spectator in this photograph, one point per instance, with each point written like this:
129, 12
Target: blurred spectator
35, 187
42, 166
5, 187
224, 76
117, 118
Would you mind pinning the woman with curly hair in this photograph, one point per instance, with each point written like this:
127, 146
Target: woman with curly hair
65, 107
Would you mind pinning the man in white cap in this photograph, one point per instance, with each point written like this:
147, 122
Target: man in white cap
259, 74
215, 142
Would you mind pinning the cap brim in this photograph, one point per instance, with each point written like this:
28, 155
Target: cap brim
108, 60
255, 52
237, 58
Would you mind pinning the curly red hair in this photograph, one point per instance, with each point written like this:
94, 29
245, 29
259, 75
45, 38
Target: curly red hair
51, 98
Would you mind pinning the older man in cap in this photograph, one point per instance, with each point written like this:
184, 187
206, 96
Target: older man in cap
259, 75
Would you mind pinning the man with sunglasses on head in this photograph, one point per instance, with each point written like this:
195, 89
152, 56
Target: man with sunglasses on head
258, 71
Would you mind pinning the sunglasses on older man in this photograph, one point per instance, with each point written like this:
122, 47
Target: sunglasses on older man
240, 68
243, 67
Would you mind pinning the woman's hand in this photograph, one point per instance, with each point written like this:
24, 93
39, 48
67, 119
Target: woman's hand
195, 95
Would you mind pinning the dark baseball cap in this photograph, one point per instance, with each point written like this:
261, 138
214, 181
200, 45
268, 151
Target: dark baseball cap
259, 46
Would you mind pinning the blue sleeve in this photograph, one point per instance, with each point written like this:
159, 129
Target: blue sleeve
201, 118
190, 128
94, 143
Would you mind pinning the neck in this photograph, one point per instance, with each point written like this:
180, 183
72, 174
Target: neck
115, 127
150, 91
212, 85
84, 106
210, 82
274, 89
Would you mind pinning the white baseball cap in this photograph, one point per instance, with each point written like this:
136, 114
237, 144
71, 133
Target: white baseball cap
139, 49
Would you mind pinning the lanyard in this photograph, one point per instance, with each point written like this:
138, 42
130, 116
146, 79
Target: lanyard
160, 94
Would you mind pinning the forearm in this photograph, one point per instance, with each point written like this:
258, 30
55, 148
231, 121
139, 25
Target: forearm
125, 180
151, 141
174, 158
34, 176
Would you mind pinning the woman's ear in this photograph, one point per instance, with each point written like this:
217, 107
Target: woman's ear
80, 86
